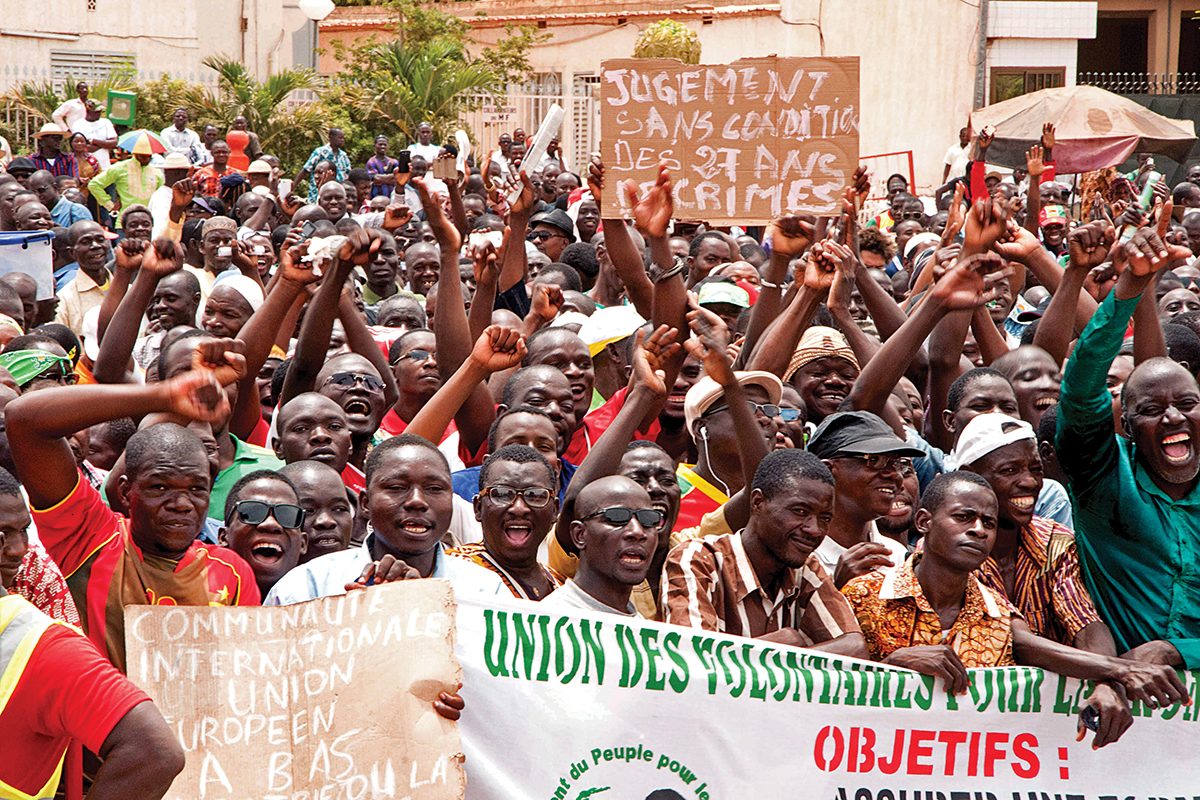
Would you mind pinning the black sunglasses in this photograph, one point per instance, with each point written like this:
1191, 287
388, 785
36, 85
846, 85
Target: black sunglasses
348, 379
619, 516
542, 236
255, 512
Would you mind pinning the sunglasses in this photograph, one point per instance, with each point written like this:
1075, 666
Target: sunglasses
766, 409
619, 516
255, 512
417, 355
506, 495
349, 379
879, 463
543, 236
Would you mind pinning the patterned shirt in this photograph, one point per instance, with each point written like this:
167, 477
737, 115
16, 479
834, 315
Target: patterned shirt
40, 581
208, 181
477, 554
710, 583
381, 166
1048, 589
894, 613
341, 167
64, 165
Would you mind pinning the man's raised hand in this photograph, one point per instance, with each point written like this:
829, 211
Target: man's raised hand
129, 254
652, 213
650, 355
791, 236
498, 348
162, 258
1089, 244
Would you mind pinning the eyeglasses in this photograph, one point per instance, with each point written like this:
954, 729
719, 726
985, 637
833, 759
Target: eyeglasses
348, 379
879, 463
542, 236
417, 355
56, 374
766, 409
255, 512
619, 516
506, 495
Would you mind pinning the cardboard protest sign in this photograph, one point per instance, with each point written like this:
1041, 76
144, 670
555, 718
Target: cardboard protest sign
571, 704
329, 699
745, 142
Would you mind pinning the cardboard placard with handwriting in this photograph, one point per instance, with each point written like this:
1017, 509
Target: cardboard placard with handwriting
332, 698
745, 142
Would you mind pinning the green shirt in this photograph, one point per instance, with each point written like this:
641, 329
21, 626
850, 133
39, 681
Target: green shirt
247, 458
372, 299
133, 182
1138, 549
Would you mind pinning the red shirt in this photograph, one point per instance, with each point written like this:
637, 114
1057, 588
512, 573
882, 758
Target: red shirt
260, 433
89, 541
354, 479
596, 422
68, 690
208, 181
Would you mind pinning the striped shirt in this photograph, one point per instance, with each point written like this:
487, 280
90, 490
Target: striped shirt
477, 554
710, 583
1048, 588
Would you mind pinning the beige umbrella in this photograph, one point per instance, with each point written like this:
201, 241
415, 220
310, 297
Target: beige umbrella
1093, 129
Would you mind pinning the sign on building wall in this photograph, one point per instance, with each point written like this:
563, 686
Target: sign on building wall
745, 142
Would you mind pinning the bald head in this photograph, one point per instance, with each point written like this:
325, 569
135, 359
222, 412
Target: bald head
609, 491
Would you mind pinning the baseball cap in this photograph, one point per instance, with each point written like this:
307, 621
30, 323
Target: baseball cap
608, 325
705, 393
1034, 314
857, 433
722, 292
986, 433
1052, 214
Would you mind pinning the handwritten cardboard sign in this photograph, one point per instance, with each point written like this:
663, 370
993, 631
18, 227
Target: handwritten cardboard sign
328, 699
745, 142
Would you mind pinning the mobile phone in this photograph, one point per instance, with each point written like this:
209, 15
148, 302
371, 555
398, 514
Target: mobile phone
405, 159
484, 238
1090, 718
285, 187
307, 231
260, 249
224, 252
444, 169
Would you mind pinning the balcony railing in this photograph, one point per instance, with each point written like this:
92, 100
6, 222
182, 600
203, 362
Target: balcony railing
1143, 82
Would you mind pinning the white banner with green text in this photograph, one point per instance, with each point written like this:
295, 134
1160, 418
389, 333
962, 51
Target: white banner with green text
573, 705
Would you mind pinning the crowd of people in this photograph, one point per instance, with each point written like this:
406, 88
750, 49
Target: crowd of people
941, 433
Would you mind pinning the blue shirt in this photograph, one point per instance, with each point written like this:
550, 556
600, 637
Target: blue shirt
466, 481
66, 213
65, 275
341, 167
328, 575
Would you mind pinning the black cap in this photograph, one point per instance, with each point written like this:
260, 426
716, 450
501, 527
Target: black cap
21, 164
857, 433
558, 219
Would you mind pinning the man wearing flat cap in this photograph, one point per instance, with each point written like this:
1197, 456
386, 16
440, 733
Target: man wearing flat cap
869, 464
551, 232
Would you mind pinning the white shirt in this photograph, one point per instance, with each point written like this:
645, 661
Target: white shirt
98, 129
957, 157
181, 141
830, 551
328, 575
429, 152
70, 114
569, 595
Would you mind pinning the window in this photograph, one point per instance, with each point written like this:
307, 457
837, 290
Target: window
78, 65
1010, 82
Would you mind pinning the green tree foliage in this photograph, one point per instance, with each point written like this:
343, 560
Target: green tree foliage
427, 74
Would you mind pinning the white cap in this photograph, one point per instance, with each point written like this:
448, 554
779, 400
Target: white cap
607, 325
985, 434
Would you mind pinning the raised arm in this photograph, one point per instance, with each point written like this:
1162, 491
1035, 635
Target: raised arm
38, 423
259, 333
318, 322
1089, 247
1033, 195
789, 237
118, 339
813, 280
128, 257
652, 211
961, 288
647, 388
515, 266
498, 349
